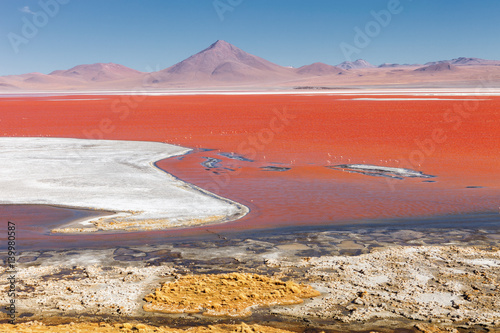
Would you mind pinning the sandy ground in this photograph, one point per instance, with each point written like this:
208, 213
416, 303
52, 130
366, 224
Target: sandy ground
137, 328
116, 176
365, 283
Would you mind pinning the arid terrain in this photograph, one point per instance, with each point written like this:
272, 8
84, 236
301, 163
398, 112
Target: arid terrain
225, 66
434, 280
348, 229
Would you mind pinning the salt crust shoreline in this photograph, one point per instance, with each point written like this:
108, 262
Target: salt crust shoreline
106, 175
406, 91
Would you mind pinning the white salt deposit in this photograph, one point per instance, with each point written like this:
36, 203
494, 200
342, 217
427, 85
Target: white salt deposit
116, 176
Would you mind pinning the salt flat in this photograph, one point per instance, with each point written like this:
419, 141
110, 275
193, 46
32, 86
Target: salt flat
115, 176
408, 91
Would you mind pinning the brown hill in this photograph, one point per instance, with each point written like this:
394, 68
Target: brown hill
439, 67
39, 81
319, 68
7, 86
98, 72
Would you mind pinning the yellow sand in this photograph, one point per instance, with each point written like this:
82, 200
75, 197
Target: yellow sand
35, 327
225, 294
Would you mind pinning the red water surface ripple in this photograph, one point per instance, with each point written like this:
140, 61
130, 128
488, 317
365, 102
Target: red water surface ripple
457, 141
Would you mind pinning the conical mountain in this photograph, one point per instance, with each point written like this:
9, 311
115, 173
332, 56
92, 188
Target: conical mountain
223, 61
225, 65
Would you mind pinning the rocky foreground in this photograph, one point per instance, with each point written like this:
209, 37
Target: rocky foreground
439, 284
34, 327
363, 286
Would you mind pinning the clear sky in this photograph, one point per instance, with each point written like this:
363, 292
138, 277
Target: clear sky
154, 34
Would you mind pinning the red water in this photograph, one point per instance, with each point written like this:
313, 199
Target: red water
457, 141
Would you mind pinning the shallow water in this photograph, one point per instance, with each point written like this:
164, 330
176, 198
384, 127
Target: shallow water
455, 140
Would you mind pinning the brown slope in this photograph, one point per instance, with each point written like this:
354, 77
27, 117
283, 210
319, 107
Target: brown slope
7, 86
40, 81
319, 69
439, 67
224, 62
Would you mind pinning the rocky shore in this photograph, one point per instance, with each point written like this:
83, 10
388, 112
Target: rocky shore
365, 283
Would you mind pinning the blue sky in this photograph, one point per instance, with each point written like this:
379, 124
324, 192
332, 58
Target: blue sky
154, 34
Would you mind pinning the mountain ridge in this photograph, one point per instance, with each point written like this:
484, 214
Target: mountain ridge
224, 65
360, 63
467, 61
222, 61
97, 72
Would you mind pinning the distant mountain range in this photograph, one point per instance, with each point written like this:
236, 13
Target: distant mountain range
224, 65
437, 67
97, 72
468, 62
360, 63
